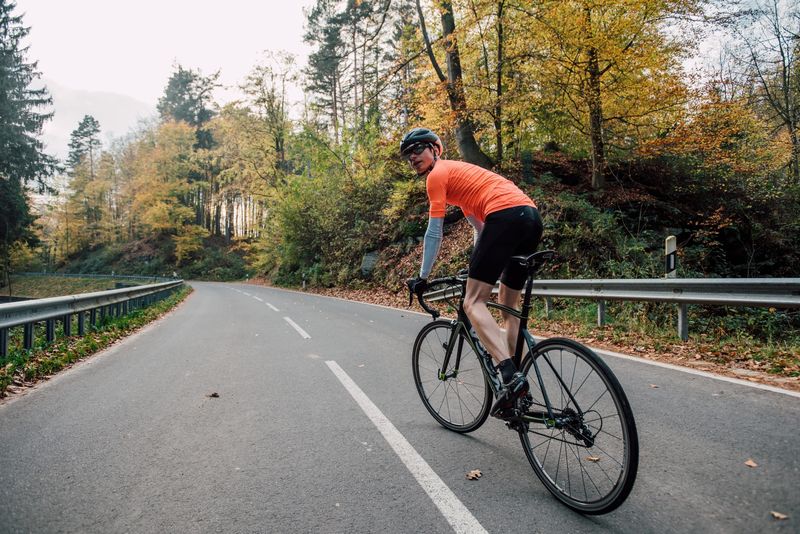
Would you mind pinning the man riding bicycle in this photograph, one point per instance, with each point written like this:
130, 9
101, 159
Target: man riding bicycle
506, 223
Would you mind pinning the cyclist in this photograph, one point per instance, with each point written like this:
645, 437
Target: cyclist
506, 224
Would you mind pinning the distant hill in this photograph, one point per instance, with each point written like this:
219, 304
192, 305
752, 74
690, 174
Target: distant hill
117, 114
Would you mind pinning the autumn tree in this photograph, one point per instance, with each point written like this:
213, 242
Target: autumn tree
159, 185
266, 89
770, 37
612, 66
453, 82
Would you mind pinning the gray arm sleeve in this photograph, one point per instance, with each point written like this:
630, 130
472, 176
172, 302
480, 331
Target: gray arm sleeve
430, 247
477, 225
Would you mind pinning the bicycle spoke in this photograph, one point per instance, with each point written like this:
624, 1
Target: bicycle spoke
592, 466
460, 398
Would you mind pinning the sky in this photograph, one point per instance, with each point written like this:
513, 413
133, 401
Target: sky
130, 48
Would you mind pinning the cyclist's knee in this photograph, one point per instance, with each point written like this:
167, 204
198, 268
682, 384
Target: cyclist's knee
474, 298
472, 304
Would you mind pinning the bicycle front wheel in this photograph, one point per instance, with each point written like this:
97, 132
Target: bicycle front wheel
587, 453
457, 394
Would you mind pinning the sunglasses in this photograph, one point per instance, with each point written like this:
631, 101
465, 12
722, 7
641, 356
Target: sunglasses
416, 149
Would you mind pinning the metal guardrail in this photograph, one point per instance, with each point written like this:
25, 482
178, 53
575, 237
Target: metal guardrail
49, 310
155, 279
757, 292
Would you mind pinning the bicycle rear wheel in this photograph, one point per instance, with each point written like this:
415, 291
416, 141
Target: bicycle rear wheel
587, 455
458, 397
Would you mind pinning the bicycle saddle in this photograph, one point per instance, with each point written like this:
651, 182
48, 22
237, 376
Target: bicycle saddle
535, 260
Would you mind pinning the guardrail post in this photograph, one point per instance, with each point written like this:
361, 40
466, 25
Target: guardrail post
548, 305
82, 323
27, 336
93, 317
68, 325
683, 321
50, 330
601, 312
3, 342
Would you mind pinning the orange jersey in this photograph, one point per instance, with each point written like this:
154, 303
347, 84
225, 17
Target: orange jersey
477, 191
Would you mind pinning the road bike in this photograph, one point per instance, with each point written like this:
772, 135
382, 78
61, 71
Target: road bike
576, 425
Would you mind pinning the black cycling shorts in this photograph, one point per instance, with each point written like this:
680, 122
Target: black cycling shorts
509, 232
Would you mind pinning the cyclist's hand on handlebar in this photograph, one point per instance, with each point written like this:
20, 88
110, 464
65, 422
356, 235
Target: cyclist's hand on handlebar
415, 287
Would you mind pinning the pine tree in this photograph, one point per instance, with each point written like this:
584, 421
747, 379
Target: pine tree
84, 144
88, 196
22, 157
188, 98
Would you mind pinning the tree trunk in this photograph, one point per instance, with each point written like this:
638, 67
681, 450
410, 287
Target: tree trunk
498, 107
595, 103
596, 123
795, 163
465, 130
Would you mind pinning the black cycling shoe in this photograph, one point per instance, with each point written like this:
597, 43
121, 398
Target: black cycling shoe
516, 388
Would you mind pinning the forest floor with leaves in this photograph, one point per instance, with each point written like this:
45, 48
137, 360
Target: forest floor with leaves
702, 352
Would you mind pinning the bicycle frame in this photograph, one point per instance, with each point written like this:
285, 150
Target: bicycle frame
459, 398
524, 338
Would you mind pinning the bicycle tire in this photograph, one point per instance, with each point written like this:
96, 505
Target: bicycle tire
591, 477
460, 399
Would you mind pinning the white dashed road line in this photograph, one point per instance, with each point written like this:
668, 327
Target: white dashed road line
297, 327
453, 510
271, 307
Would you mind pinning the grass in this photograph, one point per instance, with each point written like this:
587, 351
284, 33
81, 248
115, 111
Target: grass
23, 367
56, 286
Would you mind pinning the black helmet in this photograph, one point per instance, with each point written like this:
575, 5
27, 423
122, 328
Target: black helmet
420, 136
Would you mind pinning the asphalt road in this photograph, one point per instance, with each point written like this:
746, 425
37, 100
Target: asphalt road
317, 427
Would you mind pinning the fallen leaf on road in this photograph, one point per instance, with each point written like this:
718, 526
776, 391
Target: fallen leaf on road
475, 474
592, 458
653, 386
214, 395
750, 463
778, 515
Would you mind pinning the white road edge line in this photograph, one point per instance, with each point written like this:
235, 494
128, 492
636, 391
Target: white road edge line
297, 327
271, 307
453, 510
697, 372
258, 299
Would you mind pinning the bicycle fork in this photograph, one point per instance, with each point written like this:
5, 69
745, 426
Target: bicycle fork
461, 332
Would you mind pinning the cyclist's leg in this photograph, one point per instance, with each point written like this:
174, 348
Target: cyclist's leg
505, 233
514, 275
510, 297
475, 298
